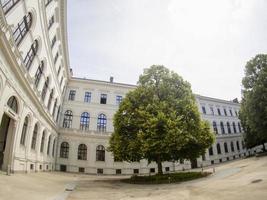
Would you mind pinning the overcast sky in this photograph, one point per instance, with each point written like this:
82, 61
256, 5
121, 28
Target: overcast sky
206, 42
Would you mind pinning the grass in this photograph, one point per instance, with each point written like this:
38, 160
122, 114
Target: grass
166, 178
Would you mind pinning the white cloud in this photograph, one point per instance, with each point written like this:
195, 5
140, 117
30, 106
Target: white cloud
207, 42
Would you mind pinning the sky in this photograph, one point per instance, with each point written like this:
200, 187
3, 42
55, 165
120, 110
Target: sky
207, 42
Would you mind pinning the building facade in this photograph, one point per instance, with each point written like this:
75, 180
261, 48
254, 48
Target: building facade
50, 120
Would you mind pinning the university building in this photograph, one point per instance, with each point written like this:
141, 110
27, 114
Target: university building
50, 120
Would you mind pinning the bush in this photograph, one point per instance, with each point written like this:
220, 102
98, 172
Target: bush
166, 178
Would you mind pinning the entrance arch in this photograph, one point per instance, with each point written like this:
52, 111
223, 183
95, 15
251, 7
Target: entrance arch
7, 131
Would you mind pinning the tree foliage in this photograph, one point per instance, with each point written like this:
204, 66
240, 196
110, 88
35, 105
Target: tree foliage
159, 121
253, 112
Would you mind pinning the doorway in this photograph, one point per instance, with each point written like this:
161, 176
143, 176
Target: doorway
5, 129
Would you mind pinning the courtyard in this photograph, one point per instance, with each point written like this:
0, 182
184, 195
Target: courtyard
239, 179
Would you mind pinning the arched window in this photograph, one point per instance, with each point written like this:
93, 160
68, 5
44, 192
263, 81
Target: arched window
100, 153
82, 152
34, 136
39, 74
228, 127
101, 123
7, 5
13, 104
239, 127
54, 108
234, 127
211, 151
237, 146
67, 121
64, 150
232, 147
45, 88
225, 147
219, 148
42, 142
50, 99
84, 122
48, 144
30, 55
24, 131
215, 127
22, 28
222, 128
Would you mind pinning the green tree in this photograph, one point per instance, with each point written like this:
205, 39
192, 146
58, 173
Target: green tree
159, 121
253, 112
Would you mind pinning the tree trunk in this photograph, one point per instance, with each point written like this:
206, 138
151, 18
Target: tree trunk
159, 166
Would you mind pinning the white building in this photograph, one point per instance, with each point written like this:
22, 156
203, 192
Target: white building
50, 120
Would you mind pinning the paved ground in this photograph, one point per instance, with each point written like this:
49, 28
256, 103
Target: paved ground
243, 179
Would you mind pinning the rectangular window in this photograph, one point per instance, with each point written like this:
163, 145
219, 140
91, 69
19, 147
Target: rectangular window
219, 111
118, 171
203, 110
81, 169
53, 41
87, 97
167, 169
72, 95
225, 112
118, 99
236, 113
103, 99
51, 22
100, 171
31, 166
152, 170
136, 171
231, 113
211, 110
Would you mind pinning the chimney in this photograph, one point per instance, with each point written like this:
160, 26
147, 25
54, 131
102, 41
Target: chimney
111, 79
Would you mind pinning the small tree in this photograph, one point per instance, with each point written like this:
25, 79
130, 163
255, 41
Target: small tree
253, 112
159, 121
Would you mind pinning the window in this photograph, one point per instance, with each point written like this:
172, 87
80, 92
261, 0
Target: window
118, 171
225, 147
232, 147
234, 127
167, 169
152, 170
67, 121
64, 150
53, 148
203, 109
31, 55
236, 114
219, 149
219, 111
22, 28
72, 95
24, 131
45, 88
13, 104
210, 151
211, 110
82, 152
48, 145
34, 136
214, 124
54, 108
42, 142
100, 153
136, 171
87, 97
53, 41
101, 123
81, 169
51, 22
56, 57
50, 99
118, 99
225, 112
38, 74
222, 128
239, 127
237, 146
84, 121
7, 5
103, 99
228, 127
100, 171
47, 2
231, 113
